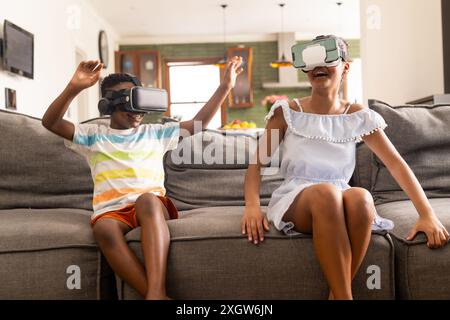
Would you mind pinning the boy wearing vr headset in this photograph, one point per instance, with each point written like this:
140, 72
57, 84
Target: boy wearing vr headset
126, 160
315, 197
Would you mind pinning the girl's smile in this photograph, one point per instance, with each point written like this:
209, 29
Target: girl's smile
320, 72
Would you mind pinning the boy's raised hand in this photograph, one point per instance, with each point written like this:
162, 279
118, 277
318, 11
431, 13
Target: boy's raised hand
86, 75
232, 71
206, 113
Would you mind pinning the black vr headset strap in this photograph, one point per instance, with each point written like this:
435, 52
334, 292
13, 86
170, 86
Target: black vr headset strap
104, 105
121, 97
118, 101
112, 99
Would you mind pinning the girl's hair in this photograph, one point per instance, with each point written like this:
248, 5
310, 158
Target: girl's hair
116, 78
343, 45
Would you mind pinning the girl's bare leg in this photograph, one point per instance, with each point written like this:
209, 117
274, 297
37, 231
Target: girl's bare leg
319, 210
359, 213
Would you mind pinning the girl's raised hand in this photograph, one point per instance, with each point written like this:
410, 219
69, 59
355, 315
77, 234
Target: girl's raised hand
86, 75
254, 223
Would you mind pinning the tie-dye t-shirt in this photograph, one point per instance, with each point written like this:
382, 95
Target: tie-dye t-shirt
124, 163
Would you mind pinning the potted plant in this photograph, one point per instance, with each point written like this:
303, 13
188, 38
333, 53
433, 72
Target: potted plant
268, 101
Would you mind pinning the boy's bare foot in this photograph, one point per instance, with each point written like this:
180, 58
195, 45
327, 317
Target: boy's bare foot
330, 296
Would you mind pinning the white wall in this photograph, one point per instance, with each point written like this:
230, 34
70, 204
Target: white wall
401, 49
57, 33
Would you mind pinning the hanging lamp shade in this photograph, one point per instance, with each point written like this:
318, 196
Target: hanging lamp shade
222, 63
282, 62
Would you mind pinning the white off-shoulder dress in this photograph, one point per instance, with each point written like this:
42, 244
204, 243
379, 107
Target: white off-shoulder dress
319, 149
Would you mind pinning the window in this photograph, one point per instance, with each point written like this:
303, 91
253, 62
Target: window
190, 87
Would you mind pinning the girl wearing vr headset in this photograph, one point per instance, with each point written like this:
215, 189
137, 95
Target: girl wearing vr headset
126, 160
317, 136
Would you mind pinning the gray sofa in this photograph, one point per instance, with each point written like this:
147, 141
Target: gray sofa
421, 134
45, 195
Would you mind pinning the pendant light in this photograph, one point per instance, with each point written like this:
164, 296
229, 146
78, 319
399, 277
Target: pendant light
282, 62
222, 63
339, 4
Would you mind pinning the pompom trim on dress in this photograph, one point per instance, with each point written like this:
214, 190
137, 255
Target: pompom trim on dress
340, 128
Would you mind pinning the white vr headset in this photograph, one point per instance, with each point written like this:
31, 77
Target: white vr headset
323, 52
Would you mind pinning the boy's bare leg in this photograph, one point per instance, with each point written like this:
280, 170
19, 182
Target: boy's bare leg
109, 234
155, 240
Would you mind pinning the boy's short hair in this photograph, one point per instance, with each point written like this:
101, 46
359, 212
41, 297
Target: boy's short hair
343, 45
116, 78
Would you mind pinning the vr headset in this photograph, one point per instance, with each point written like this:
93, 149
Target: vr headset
324, 52
136, 99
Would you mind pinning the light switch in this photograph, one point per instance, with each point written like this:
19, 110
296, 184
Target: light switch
10, 99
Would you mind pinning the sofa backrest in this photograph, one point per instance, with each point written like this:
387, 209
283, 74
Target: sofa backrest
212, 172
37, 170
421, 135
362, 176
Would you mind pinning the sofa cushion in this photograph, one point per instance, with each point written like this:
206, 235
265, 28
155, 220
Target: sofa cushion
37, 170
38, 248
210, 259
208, 169
420, 133
418, 268
33, 229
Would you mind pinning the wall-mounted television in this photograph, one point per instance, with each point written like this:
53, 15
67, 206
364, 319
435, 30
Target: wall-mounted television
18, 50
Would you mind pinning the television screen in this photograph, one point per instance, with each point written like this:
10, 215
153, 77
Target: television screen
18, 50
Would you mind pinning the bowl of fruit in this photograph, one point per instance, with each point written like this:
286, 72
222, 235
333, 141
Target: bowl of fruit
239, 125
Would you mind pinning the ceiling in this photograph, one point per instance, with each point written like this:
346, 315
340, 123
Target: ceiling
159, 19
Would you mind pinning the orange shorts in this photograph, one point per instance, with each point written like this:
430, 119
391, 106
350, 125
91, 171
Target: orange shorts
127, 215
